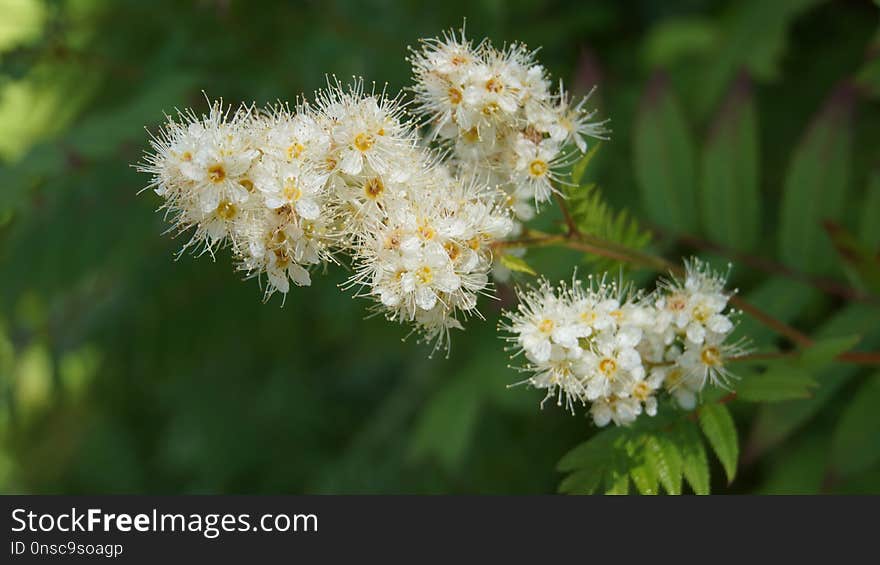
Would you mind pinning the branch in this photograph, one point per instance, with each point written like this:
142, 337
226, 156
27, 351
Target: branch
566, 214
823, 284
592, 244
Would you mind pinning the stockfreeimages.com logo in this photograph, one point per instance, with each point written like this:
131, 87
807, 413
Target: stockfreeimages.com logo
208, 525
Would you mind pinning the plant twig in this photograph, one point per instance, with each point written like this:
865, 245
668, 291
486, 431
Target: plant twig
823, 284
566, 214
597, 246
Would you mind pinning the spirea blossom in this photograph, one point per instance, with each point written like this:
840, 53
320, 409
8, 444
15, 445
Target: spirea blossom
497, 112
288, 189
602, 345
349, 177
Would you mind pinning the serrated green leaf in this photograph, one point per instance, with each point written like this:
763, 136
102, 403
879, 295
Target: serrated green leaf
517, 264
824, 351
816, 185
664, 159
645, 479
593, 216
585, 481
777, 421
730, 173
594, 452
781, 381
694, 462
719, 429
617, 476
856, 442
662, 454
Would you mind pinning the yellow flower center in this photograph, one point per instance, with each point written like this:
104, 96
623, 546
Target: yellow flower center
454, 96
546, 326
373, 188
226, 210
494, 85
641, 391
677, 303
216, 173
452, 250
589, 316
490, 109
363, 142
474, 243
608, 367
247, 184
393, 240
538, 168
701, 313
471, 135
426, 232
711, 356
291, 191
186, 156
674, 377
295, 150
281, 258
425, 275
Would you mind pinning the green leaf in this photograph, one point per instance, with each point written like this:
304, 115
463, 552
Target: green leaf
824, 351
673, 39
729, 197
617, 476
694, 462
861, 263
718, 426
816, 185
781, 381
856, 442
662, 454
775, 422
753, 38
585, 481
593, 216
594, 452
517, 264
445, 426
868, 77
664, 159
645, 479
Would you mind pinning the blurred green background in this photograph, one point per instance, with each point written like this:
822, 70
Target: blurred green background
122, 370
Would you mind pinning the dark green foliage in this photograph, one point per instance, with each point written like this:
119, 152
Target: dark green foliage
654, 452
593, 216
749, 125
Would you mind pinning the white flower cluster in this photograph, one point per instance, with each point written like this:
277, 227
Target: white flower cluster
602, 345
348, 173
286, 189
496, 110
